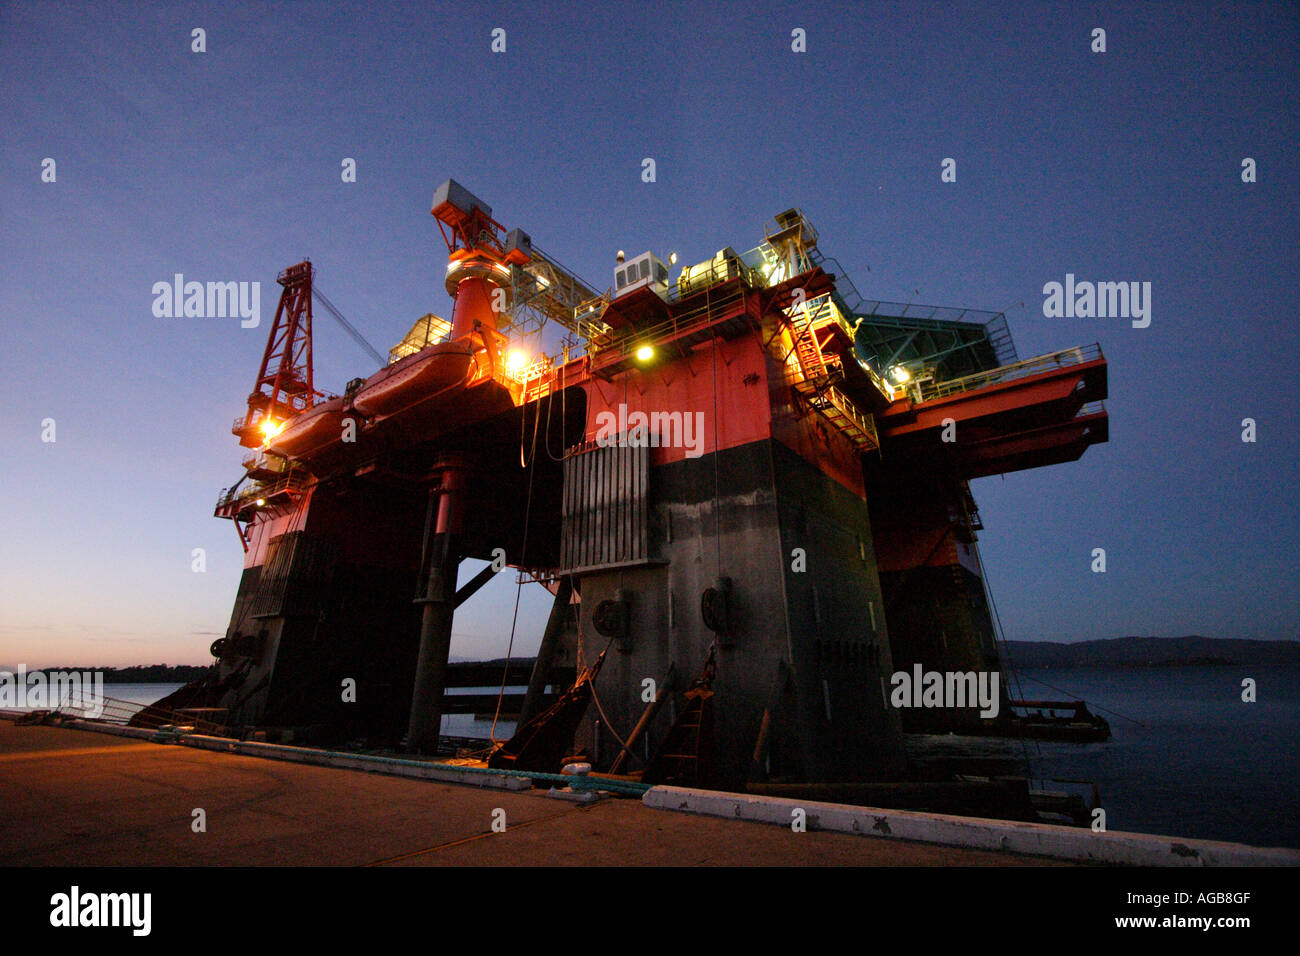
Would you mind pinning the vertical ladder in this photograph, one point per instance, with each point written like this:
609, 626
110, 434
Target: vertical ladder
678, 760
685, 756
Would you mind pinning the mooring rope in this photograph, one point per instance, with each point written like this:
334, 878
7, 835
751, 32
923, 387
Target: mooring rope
523, 552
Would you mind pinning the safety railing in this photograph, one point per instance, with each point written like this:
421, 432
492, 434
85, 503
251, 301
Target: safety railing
264, 462
524, 374
293, 481
253, 418
429, 329
819, 311
841, 411
588, 312
1050, 362
840, 401
103, 709
998, 334
627, 341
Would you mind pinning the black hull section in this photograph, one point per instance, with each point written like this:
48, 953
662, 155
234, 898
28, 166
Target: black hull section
801, 656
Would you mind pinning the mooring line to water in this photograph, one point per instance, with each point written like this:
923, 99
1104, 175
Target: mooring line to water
523, 556
1059, 690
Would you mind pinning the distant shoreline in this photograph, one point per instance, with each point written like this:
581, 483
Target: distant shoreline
1132, 652
1145, 665
143, 674
1119, 652
1151, 665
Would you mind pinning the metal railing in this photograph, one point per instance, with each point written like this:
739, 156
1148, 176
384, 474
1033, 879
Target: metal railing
112, 710
865, 423
586, 314
840, 410
526, 373
263, 461
1050, 362
254, 417
820, 310
850, 295
916, 315
293, 481
719, 272
429, 329
628, 340
998, 334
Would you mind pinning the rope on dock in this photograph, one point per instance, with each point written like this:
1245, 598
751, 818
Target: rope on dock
574, 781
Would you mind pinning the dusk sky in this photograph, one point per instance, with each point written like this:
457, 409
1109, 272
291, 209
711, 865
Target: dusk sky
225, 166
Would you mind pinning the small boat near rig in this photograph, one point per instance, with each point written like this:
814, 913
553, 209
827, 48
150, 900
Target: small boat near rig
746, 489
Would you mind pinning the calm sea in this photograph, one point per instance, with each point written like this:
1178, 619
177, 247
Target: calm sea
1198, 762
1188, 756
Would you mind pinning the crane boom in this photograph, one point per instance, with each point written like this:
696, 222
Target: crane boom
347, 326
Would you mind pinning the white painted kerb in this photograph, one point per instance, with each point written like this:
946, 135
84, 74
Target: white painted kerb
1034, 839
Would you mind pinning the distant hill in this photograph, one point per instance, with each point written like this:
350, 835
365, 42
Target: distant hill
1152, 652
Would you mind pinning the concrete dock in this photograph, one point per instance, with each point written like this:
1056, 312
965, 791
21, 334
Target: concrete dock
70, 797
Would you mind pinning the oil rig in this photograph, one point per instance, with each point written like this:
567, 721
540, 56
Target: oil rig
745, 486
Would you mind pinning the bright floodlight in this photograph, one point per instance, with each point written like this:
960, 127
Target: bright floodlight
645, 353
900, 374
517, 360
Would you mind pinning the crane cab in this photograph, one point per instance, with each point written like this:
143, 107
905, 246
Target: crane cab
645, 270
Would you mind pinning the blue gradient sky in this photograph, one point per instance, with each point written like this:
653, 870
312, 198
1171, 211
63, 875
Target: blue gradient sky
225, 166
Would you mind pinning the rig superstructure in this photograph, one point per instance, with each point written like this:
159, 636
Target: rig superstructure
747, 490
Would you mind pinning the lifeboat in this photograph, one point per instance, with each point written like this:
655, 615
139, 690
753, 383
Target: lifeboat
414, 378
311, 430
